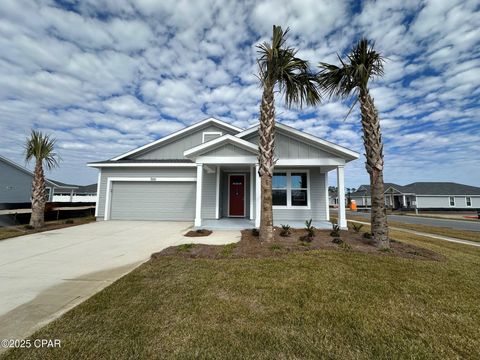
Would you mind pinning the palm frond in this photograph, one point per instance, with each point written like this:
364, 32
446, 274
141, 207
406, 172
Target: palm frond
41, 148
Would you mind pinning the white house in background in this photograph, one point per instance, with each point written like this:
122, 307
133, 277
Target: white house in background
424, 195
16, 184
208, 173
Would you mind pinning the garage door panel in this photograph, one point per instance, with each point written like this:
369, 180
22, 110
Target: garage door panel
153, 200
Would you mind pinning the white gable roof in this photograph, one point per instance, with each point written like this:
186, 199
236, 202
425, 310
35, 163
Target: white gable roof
178, 133
321, 143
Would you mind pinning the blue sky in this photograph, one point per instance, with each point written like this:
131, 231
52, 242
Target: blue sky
105, 76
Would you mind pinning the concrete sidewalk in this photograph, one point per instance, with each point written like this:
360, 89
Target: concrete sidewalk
45, 274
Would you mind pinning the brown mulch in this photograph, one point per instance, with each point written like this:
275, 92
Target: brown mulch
198, 233
250, 247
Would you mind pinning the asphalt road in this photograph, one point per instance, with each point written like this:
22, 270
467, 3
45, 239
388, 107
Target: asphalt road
453, 224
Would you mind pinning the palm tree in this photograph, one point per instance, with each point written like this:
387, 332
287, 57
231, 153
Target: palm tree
40, 147
362, 64
279, 70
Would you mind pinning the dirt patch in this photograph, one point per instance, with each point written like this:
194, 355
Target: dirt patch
250, 247
198, 233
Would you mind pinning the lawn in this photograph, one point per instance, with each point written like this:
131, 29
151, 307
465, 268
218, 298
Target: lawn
314, 304
19, 230
455, 233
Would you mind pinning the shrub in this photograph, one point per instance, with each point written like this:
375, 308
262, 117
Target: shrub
310, 229
305, 240
69, 221
285, 230
29, 227
255, 232
345, 246
357, 227
335, 230
337, 240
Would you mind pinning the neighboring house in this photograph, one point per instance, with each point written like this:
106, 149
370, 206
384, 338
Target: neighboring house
16, 183
208, 171
83, 193
424, 195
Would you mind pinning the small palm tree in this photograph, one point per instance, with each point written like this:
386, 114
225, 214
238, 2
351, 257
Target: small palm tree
41, 147
279, 70
362, 64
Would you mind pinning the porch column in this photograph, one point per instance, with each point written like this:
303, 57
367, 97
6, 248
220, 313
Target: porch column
217, 194
71, 195
342, 219
404, 201
327, 198
258, 198
51, 193
252, 181
198, 203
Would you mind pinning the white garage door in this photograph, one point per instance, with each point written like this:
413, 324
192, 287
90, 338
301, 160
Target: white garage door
152, 200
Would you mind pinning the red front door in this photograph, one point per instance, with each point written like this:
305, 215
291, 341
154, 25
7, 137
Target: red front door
237, 195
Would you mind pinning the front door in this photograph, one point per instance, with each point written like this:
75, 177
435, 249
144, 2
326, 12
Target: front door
237, 195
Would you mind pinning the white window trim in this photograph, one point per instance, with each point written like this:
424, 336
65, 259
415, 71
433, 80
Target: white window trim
110, 180
244, 196
450, 203
466, 202
289, 190
219, 133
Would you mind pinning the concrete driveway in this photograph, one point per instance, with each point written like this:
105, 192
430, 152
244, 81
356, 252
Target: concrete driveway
43, 275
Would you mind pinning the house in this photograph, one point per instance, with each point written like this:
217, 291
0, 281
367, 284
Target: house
208, 172
16, 184
424, 195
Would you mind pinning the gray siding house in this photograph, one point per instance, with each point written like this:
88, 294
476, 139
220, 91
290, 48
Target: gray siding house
209, 171
424, 195
16, 184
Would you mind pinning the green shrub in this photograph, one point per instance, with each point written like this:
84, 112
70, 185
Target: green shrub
185, 247
255, 232
335, 230
69, 221
310, 229
337, 240
285, 230
357, 227
367, 235
344, 246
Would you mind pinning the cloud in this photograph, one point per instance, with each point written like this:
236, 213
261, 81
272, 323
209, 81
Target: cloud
111, 75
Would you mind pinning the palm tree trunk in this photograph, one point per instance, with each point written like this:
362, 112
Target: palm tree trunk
266, 160
372, 139
38, 197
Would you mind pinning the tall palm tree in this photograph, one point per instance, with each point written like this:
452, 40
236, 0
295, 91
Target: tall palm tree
279, 70
362, 64
41, 147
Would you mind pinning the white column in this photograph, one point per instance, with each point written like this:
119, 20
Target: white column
342, 219
51, 193
217, 195
98, 191
258, 198
327, 198
198, 203
404, 201
71, 195
252, 181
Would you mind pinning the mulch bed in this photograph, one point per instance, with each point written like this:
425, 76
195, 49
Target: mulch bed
250, 247
198, 233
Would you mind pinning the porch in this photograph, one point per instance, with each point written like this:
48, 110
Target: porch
241, 224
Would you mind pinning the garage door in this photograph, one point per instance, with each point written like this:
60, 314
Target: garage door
153, 200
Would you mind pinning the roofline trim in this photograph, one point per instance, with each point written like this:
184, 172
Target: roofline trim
222, 139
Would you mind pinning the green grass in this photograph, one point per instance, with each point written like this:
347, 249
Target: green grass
185, 247
227, 250
317, 304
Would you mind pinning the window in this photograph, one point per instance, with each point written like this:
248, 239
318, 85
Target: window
290, 189
279, 189
452, 201
468, 200
210, 135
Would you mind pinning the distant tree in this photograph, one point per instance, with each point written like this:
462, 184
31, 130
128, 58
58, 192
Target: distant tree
41, 148
279, 70
362, 64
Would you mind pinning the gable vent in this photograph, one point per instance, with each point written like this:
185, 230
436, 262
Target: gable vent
210, 135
